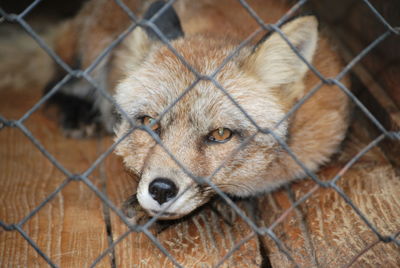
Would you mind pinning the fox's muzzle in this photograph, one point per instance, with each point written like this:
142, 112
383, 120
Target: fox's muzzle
162, 190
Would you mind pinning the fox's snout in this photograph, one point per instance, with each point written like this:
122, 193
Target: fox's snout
170, 197
163, 190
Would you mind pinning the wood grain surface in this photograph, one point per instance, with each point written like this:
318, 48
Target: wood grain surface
69, 229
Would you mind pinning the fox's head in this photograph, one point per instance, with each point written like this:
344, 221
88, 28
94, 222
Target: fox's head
197, 128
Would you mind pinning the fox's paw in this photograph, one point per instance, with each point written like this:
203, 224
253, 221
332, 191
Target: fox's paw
83, 131
134, 212
79, 118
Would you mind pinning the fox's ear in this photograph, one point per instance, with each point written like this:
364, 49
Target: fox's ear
275, 62
137, 45
167, 22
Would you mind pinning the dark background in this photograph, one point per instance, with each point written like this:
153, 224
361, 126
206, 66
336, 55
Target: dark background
57, 8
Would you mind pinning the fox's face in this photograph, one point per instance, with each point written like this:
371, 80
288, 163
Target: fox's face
200, 132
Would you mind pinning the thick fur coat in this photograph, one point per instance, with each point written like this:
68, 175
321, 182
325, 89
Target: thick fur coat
265, 79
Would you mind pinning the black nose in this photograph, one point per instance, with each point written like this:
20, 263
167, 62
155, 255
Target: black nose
162, 190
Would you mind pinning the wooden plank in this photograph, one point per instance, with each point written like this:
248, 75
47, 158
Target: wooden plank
326, 232
201, 240
70, 229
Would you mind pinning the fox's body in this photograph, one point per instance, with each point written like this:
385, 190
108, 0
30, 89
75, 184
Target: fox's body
265, 79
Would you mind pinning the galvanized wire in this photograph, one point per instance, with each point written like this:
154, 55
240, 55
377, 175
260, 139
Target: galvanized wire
257, 230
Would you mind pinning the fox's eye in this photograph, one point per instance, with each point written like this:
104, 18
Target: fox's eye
147, 120
220, 135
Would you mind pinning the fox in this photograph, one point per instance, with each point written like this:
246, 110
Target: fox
205, 108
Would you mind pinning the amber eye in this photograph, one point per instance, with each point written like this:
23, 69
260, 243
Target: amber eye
220, 135
147, 120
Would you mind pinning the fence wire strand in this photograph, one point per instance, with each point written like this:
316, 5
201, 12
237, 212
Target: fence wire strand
257, 230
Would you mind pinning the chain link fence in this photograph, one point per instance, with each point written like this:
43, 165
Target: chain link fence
257, 230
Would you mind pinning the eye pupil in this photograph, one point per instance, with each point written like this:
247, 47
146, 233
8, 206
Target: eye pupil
221, 131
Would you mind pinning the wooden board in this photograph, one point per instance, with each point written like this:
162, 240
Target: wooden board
326, 232
70, 229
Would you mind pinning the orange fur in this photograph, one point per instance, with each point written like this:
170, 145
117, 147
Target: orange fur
266, 81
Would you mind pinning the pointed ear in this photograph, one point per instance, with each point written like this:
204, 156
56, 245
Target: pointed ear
167, 22
137, 45
276, 63
133, 50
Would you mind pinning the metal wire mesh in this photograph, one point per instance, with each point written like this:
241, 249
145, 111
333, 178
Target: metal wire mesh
257, 230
